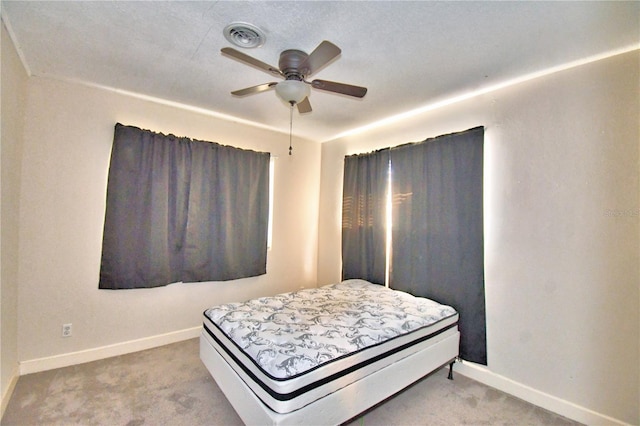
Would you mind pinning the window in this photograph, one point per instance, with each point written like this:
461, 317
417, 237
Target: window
182, 210
432, 241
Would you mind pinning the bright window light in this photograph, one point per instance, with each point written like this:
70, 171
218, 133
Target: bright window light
389, 222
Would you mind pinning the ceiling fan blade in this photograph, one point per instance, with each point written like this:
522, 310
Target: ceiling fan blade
345, 89
255, 89
321, 56
250, 60
304, 106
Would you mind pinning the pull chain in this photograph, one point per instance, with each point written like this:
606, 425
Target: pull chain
290, 125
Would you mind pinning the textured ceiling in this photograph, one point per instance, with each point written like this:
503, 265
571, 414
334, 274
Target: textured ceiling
408, 54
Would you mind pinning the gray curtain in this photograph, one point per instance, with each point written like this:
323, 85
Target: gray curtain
182, 210
363, 216
228, 213
437, 232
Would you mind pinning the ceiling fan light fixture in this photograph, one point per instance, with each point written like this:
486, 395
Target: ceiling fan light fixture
292, 91
244, 35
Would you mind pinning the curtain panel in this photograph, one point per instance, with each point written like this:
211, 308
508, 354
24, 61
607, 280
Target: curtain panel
364, 216
182, 210
437, 232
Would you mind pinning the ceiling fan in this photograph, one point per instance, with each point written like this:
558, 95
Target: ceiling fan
295, 66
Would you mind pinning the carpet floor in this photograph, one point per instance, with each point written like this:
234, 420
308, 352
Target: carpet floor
170, 386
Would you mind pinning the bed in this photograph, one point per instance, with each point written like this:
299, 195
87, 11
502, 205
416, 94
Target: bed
324, 355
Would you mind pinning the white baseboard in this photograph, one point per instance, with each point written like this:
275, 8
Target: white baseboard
6, 396
541, 399
94, 354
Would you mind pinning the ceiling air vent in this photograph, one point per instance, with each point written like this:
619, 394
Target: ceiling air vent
244, 35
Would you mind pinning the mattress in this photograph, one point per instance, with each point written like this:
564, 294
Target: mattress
295, 348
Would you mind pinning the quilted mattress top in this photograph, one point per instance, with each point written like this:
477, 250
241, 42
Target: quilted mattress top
292, 333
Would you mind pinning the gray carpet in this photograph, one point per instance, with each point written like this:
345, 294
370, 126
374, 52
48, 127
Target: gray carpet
170, 386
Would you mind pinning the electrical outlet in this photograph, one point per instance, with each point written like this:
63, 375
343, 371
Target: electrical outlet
66, 330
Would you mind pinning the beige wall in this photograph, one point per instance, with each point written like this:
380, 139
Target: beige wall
13, 86
68, 137
561, 227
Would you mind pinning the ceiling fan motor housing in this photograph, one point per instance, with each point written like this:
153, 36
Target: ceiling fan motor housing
292, 64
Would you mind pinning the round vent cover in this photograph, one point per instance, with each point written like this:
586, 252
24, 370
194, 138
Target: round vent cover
244, 35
